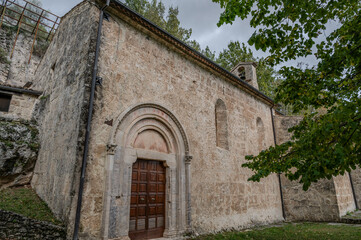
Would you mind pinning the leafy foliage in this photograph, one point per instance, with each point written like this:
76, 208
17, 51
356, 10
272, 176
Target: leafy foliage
155, 12
328, 141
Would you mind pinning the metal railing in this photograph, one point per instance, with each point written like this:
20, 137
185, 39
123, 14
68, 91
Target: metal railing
27, 17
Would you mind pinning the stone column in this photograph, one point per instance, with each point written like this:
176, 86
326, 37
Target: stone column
187, 161
171, 226
107, 192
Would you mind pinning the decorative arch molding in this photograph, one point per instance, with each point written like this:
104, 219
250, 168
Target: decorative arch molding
132, 138
123, 116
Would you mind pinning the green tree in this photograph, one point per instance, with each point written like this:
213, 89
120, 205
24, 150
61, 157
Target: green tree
237, 52
137, 5
209, 53
328, 141
155, 12
173, 25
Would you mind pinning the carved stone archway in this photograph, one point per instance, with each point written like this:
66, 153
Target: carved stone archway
140, 122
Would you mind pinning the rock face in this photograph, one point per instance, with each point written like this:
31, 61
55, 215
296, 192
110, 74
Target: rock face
18, 152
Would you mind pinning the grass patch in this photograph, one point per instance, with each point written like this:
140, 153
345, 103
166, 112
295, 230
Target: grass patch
26, 202
317, 231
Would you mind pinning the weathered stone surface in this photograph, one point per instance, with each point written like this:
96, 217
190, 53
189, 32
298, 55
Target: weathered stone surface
136, 69
18, 152
14, 226
344, 194
318, 203
17, 72
21, 107
326, 200
139, 68
64, 75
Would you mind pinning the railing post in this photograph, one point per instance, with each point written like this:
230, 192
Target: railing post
3, 13
19, 26
52, 28
36, 32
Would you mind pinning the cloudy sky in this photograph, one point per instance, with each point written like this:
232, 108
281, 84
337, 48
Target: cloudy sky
200, 15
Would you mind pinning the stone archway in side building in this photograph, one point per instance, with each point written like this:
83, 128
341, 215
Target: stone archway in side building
150, 135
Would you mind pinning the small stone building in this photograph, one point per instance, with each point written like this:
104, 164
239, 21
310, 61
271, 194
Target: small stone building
169, 133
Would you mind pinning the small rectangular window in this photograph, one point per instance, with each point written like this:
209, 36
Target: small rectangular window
5, 100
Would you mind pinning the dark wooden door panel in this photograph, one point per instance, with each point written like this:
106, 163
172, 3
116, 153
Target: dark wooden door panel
147, 206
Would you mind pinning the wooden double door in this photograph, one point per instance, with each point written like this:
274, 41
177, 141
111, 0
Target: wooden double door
147, 205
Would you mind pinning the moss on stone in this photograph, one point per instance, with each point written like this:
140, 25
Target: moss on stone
19, 145
4, 56
26, 202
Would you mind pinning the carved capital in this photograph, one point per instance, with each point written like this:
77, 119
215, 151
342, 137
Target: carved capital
111, 149
188, 159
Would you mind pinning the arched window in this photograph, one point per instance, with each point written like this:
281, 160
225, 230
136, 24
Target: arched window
261, 134
221, 125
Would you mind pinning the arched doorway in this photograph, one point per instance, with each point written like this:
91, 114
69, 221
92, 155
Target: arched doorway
148, 179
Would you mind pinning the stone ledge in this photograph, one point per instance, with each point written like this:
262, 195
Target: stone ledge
353, 218
15, 226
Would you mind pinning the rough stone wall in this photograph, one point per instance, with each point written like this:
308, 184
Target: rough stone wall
318, 203
325, 200
21, 106
64, 75
17, 71
138, 69
18, 152
345, 199
14, 226
282, 124
356, 180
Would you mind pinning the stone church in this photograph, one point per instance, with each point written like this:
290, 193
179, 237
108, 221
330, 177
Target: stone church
163, 136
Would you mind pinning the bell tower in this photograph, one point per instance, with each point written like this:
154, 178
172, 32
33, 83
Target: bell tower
246, 71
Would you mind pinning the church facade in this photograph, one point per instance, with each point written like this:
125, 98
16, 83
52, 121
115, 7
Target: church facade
169, 132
